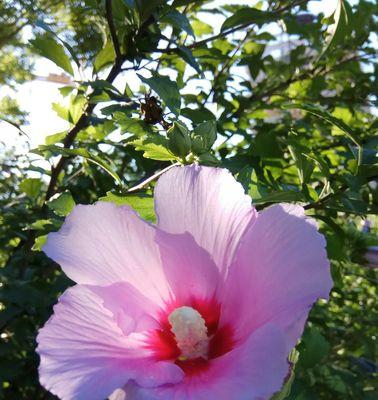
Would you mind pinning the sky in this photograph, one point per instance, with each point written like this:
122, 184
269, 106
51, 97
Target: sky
36, 97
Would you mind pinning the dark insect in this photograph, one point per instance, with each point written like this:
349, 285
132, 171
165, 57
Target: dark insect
152, 111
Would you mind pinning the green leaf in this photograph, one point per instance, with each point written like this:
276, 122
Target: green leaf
128, 92
248, 15
208, 159
267, 145
341, 27
280, 196
61, 111
62, 204
166, 89
95, 159
142, 204
187, 55
147, 7
178, 20
198, 115
326, 116
40, 224
66, 90
105, 57
315, 348
47, 28
55, 138
132, 125
49, 48
73, 112
303, 164
39, 243
201, 28
32, 187
155, 147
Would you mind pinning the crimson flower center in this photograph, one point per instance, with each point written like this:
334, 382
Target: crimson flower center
190, 332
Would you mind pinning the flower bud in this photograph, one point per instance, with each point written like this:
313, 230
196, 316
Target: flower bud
203, 137
179, 140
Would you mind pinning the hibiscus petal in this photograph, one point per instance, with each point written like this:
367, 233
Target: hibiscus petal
102, 244
253, 371
132, 311
85, 355
209, 204
279, 271
190, 272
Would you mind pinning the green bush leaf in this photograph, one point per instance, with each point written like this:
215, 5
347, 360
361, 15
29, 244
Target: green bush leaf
39, 242
95, 159
326, 116
142, 204
69, 48
32, 187
249, 15
315, 348
49, 48
304, 166
187, 55
105, 57
341, 27
280, 196
62, 204
55, 138
166, 89
178, 20
155, 147
135, 126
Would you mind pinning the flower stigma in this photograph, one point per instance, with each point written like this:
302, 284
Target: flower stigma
190, 332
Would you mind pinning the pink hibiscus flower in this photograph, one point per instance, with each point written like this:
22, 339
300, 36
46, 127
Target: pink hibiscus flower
205, 305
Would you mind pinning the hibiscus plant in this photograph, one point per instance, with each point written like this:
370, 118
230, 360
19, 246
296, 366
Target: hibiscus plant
204, 226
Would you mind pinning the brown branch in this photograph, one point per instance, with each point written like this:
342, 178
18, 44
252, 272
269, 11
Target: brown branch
71, 135
113, 32
84, 119
83, 122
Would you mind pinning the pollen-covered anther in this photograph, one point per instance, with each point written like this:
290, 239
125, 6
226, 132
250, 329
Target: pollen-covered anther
190, 332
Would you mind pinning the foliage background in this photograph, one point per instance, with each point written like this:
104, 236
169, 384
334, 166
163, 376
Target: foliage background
296, 125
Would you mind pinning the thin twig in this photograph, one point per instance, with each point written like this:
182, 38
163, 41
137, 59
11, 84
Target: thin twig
342, 189
228, 31
226, 66
282, 85
151, 178
171, 40
17, 126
